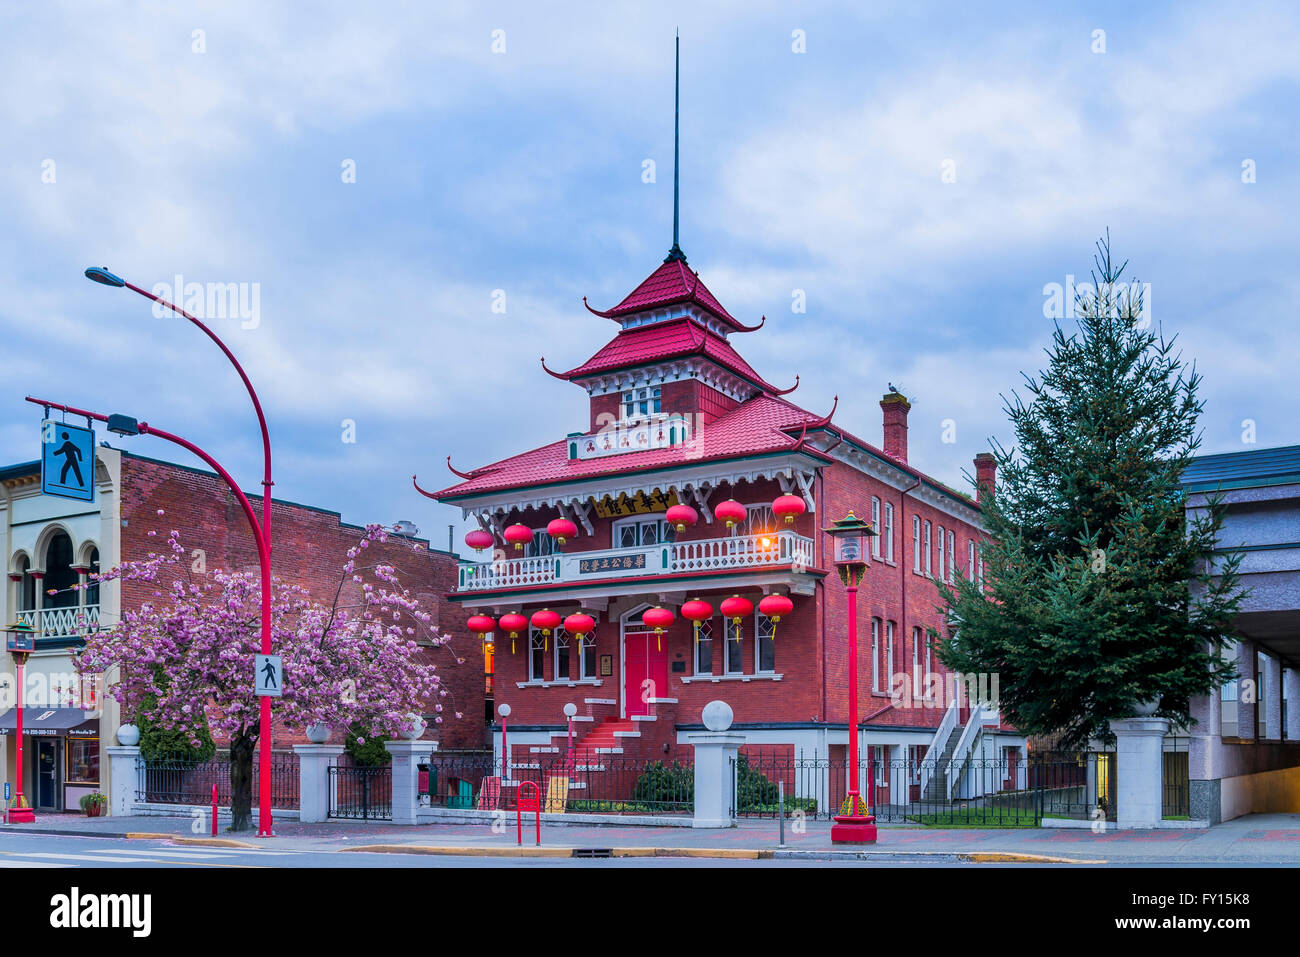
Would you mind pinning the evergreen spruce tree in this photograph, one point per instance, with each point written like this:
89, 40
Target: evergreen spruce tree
1099, 593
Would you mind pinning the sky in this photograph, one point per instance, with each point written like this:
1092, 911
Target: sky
380, 179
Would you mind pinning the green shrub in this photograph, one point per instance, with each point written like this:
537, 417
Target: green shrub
372, 753
659, 783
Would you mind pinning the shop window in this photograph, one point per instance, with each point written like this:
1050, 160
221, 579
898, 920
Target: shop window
82, 760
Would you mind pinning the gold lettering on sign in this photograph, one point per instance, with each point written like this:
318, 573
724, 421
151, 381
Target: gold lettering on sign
638, 503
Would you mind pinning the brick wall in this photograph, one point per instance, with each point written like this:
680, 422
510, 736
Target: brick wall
309, 548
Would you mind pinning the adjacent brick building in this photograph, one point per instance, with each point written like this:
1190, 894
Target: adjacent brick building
51, 543
679, 417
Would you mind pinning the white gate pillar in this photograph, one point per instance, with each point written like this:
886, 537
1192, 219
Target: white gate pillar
1139, 770
124, 771
407, 755
314, 782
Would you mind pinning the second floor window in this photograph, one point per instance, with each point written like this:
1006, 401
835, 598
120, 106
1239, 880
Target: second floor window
875, 524
952, 553
943, 574
639, 403
542, 544
970, 561
734, 659
916, 543
877, 659
635, 532
889, 531
927, 548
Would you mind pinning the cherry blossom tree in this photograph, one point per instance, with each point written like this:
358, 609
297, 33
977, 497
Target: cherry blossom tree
188, 654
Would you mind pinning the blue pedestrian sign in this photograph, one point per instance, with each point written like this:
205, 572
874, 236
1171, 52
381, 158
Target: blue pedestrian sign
67, 460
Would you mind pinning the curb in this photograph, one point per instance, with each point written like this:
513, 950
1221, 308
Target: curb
728, 853
196, 841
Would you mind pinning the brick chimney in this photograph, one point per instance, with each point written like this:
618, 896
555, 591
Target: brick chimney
895, 406
986, 467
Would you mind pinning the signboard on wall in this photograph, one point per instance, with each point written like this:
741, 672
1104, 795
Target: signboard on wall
639, 503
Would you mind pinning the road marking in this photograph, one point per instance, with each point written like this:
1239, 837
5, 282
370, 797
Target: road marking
26, 864
103, 858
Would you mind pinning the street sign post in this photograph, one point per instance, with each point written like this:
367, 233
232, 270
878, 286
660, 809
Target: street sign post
67, 460
269, 676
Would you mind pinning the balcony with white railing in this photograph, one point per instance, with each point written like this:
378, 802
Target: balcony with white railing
757, 551
76, 621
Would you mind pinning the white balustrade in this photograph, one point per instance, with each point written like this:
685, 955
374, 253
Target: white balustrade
739, 551
73, 621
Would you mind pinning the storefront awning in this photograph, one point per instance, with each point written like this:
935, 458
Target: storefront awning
51, 721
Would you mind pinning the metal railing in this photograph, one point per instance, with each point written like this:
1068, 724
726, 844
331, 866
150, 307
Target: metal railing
361, 793
190, 782
576, 784
985, 792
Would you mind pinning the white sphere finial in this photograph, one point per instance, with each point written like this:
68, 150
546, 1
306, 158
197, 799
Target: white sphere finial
717, 715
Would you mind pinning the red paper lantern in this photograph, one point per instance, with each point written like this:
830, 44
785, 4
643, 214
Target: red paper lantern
658, 619
561, 529
478, 539
737, 609
579, 625
520, 535
789, 507
682, 517
481, 625
730, 511
546, 620
697, 611
513, 623
774, 606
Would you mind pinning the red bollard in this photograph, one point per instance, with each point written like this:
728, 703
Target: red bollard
214, 810
531, 803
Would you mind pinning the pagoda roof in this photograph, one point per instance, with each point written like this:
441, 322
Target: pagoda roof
763, 424
673, 282
667, 340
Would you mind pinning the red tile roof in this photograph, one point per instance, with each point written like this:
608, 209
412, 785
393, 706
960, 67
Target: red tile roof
667, 340
672, 282
752, 428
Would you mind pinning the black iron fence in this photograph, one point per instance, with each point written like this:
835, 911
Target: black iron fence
989, 792
583, 782
361, 793
190, 782
1176, 790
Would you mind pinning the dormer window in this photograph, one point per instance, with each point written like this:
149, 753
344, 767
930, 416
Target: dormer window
638, 403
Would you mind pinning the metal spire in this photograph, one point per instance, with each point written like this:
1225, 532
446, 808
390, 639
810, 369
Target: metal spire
676, 252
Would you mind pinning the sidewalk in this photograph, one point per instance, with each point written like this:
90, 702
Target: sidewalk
1256, 839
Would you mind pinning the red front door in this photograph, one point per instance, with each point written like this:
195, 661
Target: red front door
645, 671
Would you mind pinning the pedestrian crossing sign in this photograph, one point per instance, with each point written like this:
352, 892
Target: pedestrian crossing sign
67, 460
269, 676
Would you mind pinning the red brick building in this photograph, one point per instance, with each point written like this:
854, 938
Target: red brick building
53, 543
679, 417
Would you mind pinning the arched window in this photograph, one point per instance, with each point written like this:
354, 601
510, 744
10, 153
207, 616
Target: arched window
59, 573
26, 586
92, 587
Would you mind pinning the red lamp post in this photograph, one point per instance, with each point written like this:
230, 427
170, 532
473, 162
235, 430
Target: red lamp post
125, 425
20, 642
851, 536
102, 276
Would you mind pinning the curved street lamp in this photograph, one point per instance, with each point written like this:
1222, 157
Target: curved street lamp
101, 275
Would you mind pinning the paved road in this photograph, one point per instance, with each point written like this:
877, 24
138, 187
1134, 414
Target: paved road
1258, 840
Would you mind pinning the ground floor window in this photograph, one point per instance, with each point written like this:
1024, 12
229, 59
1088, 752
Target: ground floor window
765, 644
82, 761
735, 658
704, 649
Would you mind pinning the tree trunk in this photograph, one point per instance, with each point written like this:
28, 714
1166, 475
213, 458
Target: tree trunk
241, 782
